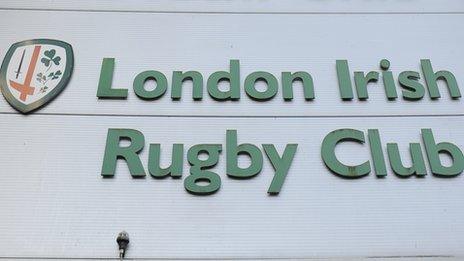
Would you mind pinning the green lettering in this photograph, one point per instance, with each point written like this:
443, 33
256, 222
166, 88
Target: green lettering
233, 77
418, 163
106, 80
178, 79
198, 172
362, 81
143, 77
344, 80
113, 152
232, 151
413, 89
281, 165
432, 77
287, 84
388, 81
177, 161
433, 150
377, 153
328, 153
271, 83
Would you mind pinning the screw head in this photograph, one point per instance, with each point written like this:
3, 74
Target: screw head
123, 236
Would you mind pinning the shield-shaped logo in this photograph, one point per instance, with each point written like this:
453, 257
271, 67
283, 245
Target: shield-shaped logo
34, 72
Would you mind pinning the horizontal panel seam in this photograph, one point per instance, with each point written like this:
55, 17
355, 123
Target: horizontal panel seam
235, 12
234, 116
221, 258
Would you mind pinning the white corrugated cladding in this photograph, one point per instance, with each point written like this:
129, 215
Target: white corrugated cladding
55, 204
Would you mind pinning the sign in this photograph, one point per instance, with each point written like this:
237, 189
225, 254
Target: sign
237, 135
34, 72
48, 66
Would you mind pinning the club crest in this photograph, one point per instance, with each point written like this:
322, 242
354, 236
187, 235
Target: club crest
34, 72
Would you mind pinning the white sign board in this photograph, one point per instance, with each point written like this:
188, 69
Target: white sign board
55, 203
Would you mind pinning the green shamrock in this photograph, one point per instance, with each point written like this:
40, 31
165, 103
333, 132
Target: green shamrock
41, 77
50, 57
54, 75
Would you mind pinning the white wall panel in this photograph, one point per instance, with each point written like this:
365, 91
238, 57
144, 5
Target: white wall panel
245, 6
55, 203
274, 43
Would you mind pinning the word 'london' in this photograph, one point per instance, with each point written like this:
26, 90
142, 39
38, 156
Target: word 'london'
409, 81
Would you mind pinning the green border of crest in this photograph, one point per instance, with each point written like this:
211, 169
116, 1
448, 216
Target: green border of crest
48, 97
